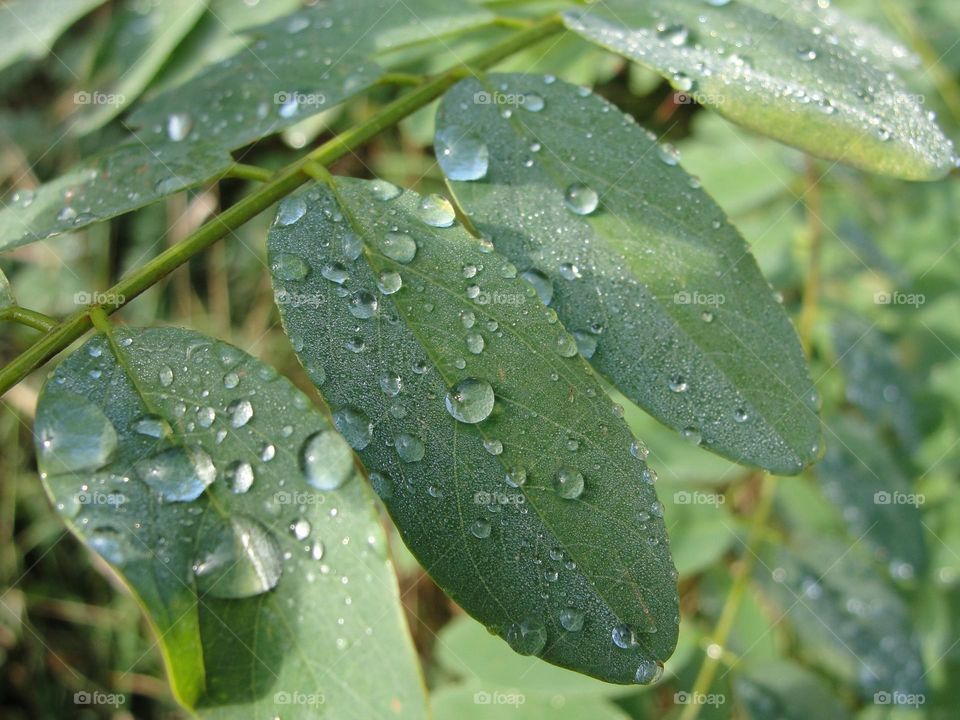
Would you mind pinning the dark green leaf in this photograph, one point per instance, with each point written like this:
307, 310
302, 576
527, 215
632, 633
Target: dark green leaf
270, 591
862, 476
779, 69
124, 178
141, 40
453, 381
28, 28
662, 293
846, 618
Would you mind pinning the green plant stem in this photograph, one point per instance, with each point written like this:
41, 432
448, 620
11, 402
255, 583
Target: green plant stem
731, 606
277, 187
30, 318
811, 287
248, 172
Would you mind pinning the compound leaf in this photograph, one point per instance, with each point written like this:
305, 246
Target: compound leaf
507, 470
28, 28
662, 293
777, 67
234, 513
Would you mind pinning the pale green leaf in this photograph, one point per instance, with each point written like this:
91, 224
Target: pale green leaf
780, 69
663, 294
270, 592
453, 381
28, 28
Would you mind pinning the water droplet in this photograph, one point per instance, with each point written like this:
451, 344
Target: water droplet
639, 449
355, 426
571, 619
165, 376
461, 155
668, 154
676, 35
807, 54
389, 282
741, 415
178, 474
363, 305
533, 102
67, 214
678, 384
409, 447
288, 266
335, 273
649, 671
73, 434
326, 460
436, 211
242, 559
383, 190
691, 435
527, 637
399, 246
241, 412
470, 400
240, 476
581, 199
516, 476
541, 284
179, 126
300, 529
623, 637
480, 529
586, 344
566, 345
494, 447
568, 483
475, 343
152, 426
291, 209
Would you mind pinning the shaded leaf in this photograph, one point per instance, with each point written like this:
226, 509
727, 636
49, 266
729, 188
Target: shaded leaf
781, 70
272, 587
6, 294
475, 702
28, 28
142, 38
864, 478
846, 618
499, 457
663, 294
784, 690
116, 181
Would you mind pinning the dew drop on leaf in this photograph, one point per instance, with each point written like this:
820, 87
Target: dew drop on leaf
355, 426
436, 211
178, 474
581, 199
470, 400
462, 156
73, 434
240, 559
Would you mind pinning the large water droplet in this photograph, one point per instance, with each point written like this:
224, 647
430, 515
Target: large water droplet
470, 400
480, 529
178, 474
288, 266
241, 412
649, 671
409, 447
436, 210
383, 190
623, 637
541, 284
533, 102
461, 155
326, 460
178, 126
581, 199
73, 434
355, 426
475, 343
398, 246
291, 209
240, 476
568, 483
363, 305
389, 282
527, 637
241, 559
571, 619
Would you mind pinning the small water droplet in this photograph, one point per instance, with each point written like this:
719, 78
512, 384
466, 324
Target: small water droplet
461, 155
409, 447
470, 400
527, 637
533, 102
288, 266
581, 199
568, 483
355, 426
436, 211
480, 529
571, 619
179, 126
291, 209
241, 412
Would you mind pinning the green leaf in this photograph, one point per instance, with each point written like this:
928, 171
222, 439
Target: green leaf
28, 28
234, 513
6, 294
784, 690
476, 702
862, 476
298, 65
118, 180
846, 618
142, 38
662, 293
779, 69
456, 385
